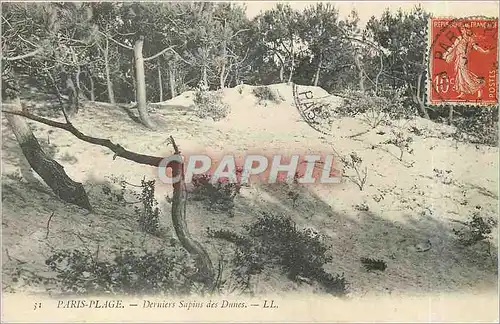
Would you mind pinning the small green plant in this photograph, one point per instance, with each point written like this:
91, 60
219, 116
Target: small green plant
149, 214
402, 142
275, 240
264, 93
129, 272
354, 163
209, 104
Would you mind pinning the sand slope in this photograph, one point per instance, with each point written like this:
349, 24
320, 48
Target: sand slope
407, 205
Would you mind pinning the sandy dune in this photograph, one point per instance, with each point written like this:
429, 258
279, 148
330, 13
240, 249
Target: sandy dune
406, 205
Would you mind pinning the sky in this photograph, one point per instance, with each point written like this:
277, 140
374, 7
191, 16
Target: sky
366, 9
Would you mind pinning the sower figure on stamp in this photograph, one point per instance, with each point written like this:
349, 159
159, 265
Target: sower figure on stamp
466, 82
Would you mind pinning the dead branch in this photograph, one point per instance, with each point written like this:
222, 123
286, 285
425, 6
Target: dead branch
23, 56
116, 148
115, 41
158, 54
179, 200
48, 225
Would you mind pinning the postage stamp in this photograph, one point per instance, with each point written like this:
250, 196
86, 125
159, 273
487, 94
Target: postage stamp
463, 61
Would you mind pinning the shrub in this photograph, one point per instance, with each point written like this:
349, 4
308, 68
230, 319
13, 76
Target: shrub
354, 163
276, 241
374, 109
264, 93
217, 196
402, 142
478, 127
115, 195
149, 214
129, 272
372, 264
476, 229
210, 104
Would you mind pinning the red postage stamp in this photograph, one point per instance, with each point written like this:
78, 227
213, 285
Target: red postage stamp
463, 61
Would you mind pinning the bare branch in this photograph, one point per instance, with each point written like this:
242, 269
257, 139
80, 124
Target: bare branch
26, 41
115, 41
239, 31
23, 56
59, 97
48, 225
158, 54
181, 58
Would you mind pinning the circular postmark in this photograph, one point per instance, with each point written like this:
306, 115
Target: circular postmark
462, 61
315, 111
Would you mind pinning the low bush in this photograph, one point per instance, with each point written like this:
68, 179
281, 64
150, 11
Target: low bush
276, 241
264, 93
129, 272
148, 214
476, 229
375, 109
209, 104
478, 127
216, 196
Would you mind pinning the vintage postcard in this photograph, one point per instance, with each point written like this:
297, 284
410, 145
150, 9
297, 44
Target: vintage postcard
186, 162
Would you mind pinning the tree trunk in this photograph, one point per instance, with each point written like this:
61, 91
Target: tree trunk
291, 73
204, 75
160, 81
50, 171
179, 198
141, 84
222, 76
418, 99
316, 78
282, 66
292, 68
237, 76
171, 79
73, 94
92, 88
111, 93
420, 93
77, 78
81, 94
134, 84
450, 116
361, 81
361, 73
421, 105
